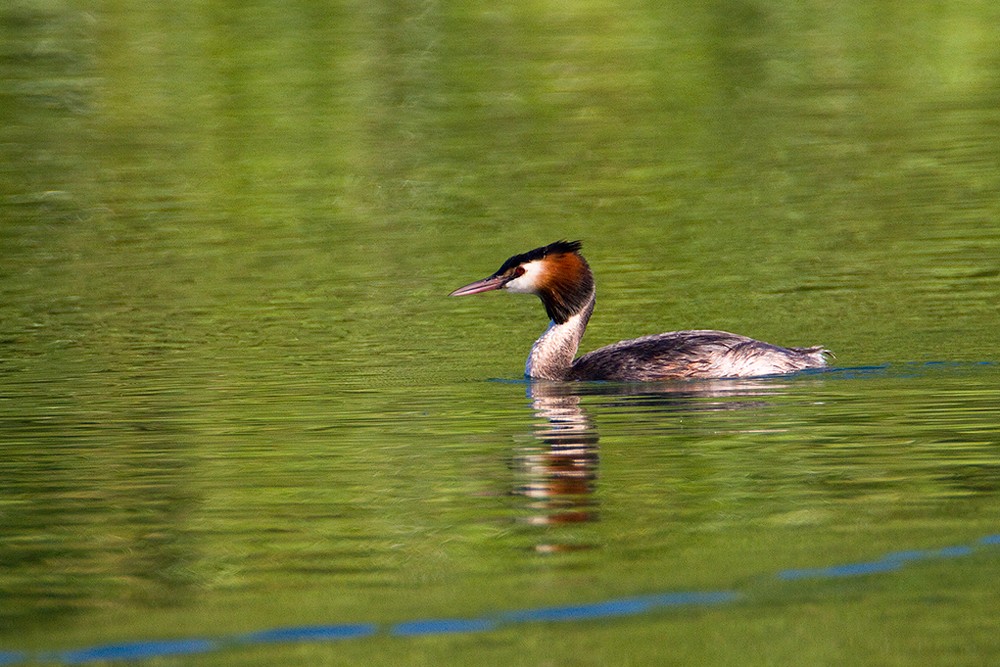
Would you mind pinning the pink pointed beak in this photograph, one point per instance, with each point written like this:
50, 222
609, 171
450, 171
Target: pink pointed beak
484, 285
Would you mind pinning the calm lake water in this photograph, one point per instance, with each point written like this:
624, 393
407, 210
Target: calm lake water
241, 423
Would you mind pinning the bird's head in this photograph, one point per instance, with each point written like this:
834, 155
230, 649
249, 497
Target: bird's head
557, 273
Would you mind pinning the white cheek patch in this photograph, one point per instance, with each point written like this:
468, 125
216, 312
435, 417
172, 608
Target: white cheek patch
529, 282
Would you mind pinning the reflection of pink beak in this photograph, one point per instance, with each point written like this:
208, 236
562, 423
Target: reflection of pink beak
484, 285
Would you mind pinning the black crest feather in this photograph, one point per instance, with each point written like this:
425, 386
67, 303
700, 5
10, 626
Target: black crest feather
556, 248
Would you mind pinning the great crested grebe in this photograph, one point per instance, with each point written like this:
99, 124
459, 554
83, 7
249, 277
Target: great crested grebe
562, 279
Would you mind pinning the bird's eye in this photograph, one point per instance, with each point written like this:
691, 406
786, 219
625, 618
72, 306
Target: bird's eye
518, 272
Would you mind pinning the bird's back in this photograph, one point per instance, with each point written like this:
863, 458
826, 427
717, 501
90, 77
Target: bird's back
692, 354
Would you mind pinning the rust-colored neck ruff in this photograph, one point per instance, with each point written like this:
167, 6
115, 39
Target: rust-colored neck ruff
566, 285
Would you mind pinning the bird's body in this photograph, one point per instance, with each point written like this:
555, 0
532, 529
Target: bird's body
561, 278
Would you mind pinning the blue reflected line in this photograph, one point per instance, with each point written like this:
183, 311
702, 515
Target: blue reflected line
613, 608
581, 612
309, 633
888, 563
619, 607
952, 552
135, 651
442, 626
837, 571
12, 657
578, 612
902, 556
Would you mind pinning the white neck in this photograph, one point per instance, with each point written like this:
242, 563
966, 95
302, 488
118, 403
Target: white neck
552, 354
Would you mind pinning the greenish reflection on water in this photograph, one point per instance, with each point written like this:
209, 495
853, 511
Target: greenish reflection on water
234, 396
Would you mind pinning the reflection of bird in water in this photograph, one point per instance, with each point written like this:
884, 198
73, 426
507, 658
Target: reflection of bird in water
560, 470
560, 276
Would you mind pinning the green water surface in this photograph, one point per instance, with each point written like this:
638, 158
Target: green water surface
234, 396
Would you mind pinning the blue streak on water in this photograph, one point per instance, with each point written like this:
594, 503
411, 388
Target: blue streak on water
618, 607
913, 554
136, 651
953, 552
888, 563
442, 626
577, 612
309, 633
849, 570
12, 657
